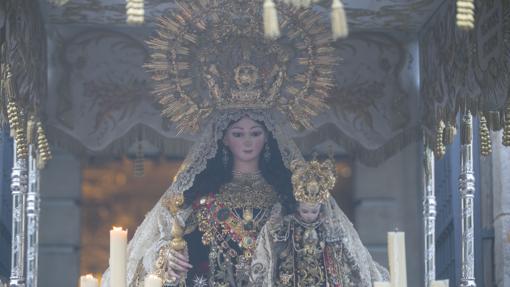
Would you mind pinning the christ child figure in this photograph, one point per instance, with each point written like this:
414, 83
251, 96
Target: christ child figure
306, 244
303, 247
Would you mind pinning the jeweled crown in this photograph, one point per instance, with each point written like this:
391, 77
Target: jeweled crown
313, 181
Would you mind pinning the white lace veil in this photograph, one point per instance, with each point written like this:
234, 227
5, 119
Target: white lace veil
155, 229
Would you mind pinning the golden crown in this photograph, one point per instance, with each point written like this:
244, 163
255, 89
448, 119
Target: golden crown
313, 181
212, 55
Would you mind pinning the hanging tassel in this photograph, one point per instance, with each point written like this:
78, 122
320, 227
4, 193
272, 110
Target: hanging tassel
44, 154
338, 20
449, 134
465, 14
12, 117
17, 130
135, 12
21, 140
506, 127
485, 137
271, 27
440, 148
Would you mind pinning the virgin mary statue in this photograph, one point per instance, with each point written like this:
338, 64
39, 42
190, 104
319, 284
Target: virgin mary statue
216, 74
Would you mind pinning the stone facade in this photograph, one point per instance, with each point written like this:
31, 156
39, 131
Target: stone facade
59, 257
388, 197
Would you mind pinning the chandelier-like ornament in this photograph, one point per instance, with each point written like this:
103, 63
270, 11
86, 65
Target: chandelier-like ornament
339, 26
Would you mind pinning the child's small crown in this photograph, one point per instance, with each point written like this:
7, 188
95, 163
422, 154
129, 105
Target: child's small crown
312, 181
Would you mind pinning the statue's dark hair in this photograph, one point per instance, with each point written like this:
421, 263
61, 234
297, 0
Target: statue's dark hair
217, 173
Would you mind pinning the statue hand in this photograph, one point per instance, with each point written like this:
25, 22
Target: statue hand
178, 264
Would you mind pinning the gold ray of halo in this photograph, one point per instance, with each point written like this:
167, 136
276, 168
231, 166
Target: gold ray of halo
194, 77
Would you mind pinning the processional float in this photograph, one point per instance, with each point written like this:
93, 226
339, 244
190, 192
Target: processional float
31, 152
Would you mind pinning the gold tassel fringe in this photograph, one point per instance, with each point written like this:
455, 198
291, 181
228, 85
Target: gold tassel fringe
485, 137
506, 127
271, 26
12, 117
17, 130
339, 25
43, 147
449, 134
440, 148
21, 142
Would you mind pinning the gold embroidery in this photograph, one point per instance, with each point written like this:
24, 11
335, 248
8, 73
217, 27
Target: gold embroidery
302, 261
230, 222
247, 191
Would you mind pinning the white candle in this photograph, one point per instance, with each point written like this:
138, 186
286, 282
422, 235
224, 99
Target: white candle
153, 281
397, 259
382, 284
88, 281
118, 250
441, 283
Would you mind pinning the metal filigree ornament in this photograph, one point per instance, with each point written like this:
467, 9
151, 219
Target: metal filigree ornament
313, 181
211, 56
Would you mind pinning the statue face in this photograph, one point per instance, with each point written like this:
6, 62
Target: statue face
309, 212
245, 139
